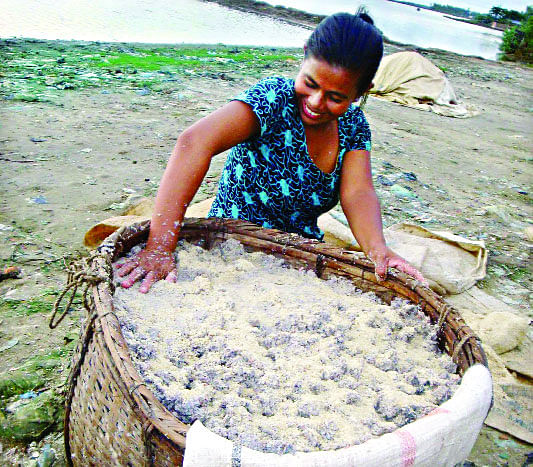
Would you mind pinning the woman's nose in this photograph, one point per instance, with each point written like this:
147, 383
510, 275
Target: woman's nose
315, 100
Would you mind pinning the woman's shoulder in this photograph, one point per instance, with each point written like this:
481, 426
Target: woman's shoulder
277, 81
272, 87
355, 129
355, 114
270, 95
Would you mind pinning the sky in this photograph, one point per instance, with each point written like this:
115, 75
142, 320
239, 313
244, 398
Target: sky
481, 6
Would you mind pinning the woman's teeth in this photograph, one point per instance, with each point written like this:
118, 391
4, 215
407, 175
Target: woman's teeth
310, 112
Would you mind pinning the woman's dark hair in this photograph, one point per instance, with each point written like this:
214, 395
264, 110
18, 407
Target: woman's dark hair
349, 41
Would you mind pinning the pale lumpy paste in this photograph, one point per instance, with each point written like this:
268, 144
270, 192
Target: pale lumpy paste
277, 359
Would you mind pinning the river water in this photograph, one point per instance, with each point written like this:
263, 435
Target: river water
406, 24
193, 21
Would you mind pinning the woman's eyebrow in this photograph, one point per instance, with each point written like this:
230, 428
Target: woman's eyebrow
337, 93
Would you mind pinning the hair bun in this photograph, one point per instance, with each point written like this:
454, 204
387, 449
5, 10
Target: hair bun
364, 16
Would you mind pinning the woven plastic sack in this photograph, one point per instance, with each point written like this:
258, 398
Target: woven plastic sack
444, 437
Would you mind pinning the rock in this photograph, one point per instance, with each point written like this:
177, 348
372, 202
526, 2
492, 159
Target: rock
14, 406
39, 200
384, 180
401, 192
34, 419
529, 233
501, 212
503, 331
9, 344
47, 457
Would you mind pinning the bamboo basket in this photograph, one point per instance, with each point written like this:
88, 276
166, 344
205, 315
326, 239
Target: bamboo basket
112, 418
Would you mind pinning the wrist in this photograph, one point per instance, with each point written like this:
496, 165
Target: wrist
162, 244
375, 250
163, 238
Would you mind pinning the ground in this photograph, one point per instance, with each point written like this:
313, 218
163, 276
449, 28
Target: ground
87, 128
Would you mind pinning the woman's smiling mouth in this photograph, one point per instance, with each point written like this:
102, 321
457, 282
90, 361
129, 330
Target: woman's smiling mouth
308, 112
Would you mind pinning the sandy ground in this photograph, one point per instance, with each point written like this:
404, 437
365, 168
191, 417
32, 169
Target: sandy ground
67, 165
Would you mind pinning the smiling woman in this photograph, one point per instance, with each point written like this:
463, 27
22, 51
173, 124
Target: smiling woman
324, 91
296, 149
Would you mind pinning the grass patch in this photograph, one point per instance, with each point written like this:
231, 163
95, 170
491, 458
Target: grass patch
41, 71
41, 304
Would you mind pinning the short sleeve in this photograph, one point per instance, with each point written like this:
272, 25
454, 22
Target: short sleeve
360, 137
267, 99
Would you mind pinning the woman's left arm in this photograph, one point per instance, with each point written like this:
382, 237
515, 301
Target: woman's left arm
361, 207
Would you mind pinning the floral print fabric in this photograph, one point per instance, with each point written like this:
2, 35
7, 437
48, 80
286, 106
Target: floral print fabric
270, 180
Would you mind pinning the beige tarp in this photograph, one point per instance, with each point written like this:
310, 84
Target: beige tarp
450, 263
409, 79
139, 212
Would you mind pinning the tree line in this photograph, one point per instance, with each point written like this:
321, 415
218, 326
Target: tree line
517, 41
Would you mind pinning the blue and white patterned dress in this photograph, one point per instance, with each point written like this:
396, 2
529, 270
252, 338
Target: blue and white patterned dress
270, 180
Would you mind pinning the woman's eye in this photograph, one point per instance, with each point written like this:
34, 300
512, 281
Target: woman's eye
336, 100
310, 85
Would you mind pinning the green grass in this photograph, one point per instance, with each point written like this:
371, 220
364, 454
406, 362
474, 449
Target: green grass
175, 58
40, 304
41, 71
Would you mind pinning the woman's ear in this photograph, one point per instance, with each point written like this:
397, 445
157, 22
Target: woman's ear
370, 86
364, 94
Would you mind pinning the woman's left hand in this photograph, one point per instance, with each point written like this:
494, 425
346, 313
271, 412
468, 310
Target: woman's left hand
385, 258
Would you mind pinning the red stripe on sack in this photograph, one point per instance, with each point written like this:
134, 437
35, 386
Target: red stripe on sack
437, 411
408, 446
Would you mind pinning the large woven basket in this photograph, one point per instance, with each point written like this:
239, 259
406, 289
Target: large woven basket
112, 418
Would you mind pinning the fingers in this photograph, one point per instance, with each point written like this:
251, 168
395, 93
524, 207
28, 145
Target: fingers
172, 276
148, 281
126, 268
150, 265
135, 275
404, 266
380, 266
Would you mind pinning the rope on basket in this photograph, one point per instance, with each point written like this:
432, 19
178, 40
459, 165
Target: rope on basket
443, 314
457, 347
80, 274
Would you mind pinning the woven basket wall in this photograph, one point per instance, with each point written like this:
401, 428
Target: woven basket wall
112, 418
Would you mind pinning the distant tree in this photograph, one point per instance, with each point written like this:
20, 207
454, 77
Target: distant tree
486, 19
514, 15
504, 15
451, 10
517, 42
498, 13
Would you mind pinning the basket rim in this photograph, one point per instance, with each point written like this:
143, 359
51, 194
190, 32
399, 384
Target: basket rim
466, 347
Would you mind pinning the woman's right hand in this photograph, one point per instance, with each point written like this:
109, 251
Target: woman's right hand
150, 264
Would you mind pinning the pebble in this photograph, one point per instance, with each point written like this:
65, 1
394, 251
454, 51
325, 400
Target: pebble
402, 192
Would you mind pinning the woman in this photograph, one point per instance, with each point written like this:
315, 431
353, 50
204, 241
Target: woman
297, 147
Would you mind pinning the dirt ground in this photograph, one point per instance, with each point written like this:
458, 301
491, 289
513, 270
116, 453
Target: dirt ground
91, 151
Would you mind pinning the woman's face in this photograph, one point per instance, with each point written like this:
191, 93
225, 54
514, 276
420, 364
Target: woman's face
324, 92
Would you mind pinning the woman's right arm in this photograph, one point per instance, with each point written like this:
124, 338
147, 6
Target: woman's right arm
186, 168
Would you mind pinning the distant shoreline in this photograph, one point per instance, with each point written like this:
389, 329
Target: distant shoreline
304, 19
289, 15
446, 15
